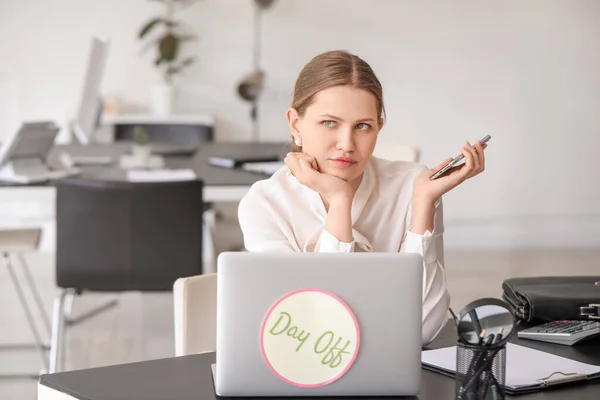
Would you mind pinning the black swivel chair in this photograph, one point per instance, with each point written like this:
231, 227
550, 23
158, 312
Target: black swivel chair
115, 236
178, 139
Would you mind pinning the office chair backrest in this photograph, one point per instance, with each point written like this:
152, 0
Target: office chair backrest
195, 311
395, 152
117, 236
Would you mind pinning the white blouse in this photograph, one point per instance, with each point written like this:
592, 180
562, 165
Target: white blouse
281, 214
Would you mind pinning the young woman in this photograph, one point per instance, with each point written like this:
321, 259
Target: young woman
334, 196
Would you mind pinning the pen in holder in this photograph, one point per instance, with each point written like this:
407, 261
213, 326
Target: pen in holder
480, 372
484, 327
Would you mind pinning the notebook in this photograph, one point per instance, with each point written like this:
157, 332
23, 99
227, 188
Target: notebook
526, 369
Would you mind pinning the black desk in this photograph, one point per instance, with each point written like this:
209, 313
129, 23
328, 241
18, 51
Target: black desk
221, 184
190, 377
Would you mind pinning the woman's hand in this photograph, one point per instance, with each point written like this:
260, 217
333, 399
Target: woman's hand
306, 170
426, 191
429, 191
336, 192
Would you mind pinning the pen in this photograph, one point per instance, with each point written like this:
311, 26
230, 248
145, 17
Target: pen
475, 361
492, 384
480, 362
475, 320
481, 369
483, 364
486, 383
498, 337
481, 336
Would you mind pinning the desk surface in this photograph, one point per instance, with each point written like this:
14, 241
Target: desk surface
190, 377
212, 176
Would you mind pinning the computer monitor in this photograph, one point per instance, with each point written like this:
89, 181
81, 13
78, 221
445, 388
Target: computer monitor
90, 103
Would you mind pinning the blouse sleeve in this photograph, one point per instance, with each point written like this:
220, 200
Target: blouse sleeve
260, 226
264, 231
436, 299
328, 243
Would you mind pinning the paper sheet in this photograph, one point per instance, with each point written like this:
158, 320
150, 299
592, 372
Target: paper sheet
268, 168
160, 175
524, 366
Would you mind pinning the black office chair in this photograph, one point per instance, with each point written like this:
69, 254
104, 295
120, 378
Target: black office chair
178, 139
115, 236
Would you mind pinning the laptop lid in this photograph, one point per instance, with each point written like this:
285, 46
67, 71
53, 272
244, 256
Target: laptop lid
306, 324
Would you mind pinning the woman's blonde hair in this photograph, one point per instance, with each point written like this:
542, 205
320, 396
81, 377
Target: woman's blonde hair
335, 68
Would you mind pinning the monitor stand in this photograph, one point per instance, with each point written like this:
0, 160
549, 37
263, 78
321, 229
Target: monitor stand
80, 136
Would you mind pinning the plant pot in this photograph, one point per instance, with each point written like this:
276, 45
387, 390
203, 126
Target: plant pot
163, 98
141, 154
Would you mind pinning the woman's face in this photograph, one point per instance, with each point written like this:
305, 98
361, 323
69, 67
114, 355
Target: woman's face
339, 129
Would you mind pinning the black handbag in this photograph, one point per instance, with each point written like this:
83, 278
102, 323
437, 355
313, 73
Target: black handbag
553, 298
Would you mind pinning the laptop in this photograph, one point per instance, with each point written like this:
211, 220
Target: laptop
23, 158
318, 324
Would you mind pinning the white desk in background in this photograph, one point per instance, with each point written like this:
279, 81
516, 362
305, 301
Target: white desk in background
37, 201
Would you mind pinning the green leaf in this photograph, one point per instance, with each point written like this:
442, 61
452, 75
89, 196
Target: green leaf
151, 24
168, 47
140, 136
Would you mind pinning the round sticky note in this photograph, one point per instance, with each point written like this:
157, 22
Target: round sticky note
310, 338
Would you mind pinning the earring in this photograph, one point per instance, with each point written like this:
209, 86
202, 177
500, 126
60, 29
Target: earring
298, 141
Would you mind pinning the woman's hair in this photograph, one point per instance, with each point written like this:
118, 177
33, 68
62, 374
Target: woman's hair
335, 68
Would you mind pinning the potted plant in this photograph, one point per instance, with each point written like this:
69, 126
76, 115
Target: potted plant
140, 150
168, 45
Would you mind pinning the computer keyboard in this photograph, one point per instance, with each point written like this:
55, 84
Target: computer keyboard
47, 176
565, 332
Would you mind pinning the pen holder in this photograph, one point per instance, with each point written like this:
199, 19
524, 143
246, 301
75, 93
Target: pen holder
480, 372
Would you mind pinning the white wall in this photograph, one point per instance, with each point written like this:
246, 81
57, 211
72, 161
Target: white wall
524, 72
